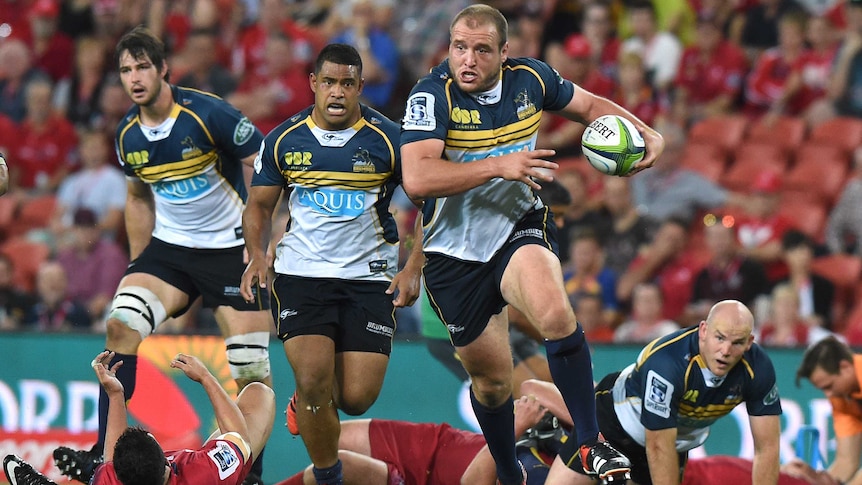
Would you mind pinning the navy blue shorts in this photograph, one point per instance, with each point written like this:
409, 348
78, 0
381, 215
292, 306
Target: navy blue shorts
466, 294
213, 274
356, 315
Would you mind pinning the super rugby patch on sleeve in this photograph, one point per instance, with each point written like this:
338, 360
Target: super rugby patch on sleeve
420, 113
226, 459
243, 131
657, 395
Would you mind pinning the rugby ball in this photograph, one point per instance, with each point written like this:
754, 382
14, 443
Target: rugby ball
612, 145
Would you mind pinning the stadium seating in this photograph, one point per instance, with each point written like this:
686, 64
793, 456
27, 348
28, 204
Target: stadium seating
787, 132
806, 215
843, 132
26, 257
843, 270
817, 180
726, 131
33, 213
706, 159
749, 161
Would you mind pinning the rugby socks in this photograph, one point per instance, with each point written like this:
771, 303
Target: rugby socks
126, 375
572, 370
329, 476
498, 426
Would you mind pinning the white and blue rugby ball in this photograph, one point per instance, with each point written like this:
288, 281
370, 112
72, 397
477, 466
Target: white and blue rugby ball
613, 145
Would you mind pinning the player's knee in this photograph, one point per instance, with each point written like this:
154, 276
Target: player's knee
137, 308
356, 407
554, 318
248, 356
492, 392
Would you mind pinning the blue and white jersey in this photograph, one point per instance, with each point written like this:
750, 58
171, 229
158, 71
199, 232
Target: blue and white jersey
339, 186
473, 225
670, 386
193, 163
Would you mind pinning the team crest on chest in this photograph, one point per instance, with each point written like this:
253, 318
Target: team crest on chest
190, 150
524, 105
362, 162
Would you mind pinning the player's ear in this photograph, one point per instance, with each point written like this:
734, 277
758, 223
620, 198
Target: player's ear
312, 82
504, 52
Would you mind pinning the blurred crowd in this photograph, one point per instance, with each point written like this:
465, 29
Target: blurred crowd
756, 197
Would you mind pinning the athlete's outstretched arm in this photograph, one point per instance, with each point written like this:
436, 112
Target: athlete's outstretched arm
766, 431
426, 174
140, 215
586, 107
117, 416
257, 228
228, 415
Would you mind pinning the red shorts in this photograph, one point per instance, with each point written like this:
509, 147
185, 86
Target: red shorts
424, 453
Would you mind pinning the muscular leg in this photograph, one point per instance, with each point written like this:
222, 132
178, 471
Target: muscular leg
488, 360
533, 283
257, 403
233, 322
358, 379
312, 358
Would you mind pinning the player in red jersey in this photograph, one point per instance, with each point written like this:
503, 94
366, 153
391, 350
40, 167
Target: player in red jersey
132, 455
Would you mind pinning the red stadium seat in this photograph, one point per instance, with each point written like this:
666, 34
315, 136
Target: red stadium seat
726, 132
705, 159
26, 258
806, 216
843, 270
33, 214
788, 132
749, 161
843, 132
765, 155
822, 181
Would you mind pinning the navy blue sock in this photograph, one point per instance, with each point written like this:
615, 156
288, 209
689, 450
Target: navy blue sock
329, 476
572, 370
126, 375
257, 466
498, 426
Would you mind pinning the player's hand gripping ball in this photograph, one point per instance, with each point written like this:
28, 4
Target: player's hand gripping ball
613, 145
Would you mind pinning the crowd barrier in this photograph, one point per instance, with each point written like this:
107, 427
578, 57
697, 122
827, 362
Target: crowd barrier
48, 396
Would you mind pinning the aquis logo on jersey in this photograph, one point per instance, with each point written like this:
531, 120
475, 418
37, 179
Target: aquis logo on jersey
190, 150
524, 106
362, 162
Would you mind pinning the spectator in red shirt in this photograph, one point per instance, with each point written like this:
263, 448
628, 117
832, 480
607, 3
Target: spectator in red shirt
710, 75
8, 134
766, 87
573, 59
45, 147
761, 228
53, 51
806, 88
634, 92
249, 55
668, 263
269, 99
597, 27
